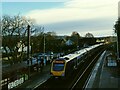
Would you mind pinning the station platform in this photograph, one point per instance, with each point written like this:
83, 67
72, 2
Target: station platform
106, 74
36, 79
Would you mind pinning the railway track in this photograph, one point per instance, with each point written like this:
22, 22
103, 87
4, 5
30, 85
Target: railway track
81, 79
80, 76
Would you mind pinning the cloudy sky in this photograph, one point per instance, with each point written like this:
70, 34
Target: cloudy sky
66, 16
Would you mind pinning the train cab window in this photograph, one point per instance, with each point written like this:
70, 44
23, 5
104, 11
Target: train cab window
66, 58
58, 66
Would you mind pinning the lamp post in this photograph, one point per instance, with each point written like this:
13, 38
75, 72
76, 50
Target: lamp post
44, 48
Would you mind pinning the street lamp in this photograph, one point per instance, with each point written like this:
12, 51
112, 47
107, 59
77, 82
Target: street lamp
44, 48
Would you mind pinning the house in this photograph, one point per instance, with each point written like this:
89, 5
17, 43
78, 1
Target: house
69, 42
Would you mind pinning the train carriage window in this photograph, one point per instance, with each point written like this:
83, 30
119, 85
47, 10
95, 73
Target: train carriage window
58, 66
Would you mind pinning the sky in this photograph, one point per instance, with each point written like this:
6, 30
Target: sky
65, 16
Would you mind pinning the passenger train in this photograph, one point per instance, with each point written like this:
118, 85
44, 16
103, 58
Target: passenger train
64, 66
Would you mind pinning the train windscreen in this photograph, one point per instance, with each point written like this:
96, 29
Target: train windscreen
58, 66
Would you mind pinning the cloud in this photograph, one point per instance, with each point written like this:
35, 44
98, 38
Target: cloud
119, 9
96, 26
76, 10
90, 3
94, 16
33, 0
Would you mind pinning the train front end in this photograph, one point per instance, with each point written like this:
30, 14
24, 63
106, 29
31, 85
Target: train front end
58, 68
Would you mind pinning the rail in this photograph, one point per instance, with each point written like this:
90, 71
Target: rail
91, 64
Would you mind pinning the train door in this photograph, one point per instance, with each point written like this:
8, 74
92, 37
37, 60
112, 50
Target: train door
75, 63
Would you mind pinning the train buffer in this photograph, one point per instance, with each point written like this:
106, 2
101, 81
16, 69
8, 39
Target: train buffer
105, 74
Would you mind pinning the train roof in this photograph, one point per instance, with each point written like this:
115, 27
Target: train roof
77, 54
74, 55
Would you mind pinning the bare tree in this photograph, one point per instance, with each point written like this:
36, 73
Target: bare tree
89, 35
14, 30
75, 38
37, 39
75, 34
117, 25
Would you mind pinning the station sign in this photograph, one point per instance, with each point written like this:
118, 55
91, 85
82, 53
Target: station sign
15, 83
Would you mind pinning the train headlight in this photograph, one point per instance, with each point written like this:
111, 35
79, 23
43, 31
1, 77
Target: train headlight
62, 74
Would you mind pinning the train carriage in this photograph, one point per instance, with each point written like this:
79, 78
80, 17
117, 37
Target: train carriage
64, 66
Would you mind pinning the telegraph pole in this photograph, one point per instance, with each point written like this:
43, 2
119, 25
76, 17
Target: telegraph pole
28, 49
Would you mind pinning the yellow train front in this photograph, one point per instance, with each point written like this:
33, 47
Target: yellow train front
58, 68
63, 67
